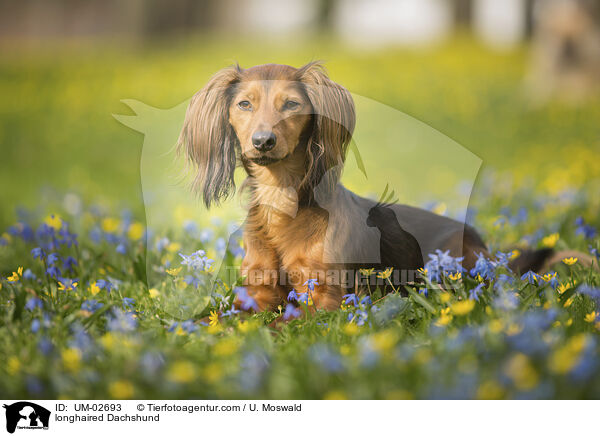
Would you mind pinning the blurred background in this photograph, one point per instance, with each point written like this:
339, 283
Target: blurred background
513, 81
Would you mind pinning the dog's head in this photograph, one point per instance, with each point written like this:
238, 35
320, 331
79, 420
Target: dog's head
269, 115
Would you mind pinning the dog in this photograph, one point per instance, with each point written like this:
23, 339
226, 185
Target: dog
290, 129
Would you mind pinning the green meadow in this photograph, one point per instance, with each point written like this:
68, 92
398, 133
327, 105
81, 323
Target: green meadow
100, 300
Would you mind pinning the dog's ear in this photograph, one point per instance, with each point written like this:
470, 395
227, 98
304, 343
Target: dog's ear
333, 124
208, 140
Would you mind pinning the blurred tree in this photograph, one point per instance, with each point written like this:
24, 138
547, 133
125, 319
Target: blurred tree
463, 13
325, 14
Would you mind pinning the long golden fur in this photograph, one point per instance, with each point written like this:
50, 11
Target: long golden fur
290, 129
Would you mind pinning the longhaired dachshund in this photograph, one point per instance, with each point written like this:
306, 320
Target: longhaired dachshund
290, 129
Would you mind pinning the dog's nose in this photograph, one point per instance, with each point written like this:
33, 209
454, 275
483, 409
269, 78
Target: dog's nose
264, 141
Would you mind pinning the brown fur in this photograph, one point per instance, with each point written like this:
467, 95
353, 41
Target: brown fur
302, 223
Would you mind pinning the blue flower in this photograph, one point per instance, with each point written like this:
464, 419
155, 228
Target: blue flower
151, 362
52, 258
351, 298
206, 235
104, 284
530, 277
128, 303
91, 305
366, 300
230, 312
192, 281
120, 321
360, 317
441, 264
68, 263
326, 358
584, 229
33, 303
191, 228
484, 268
121, 248
45, 346
197, 261
593, 293
53, 272
310, 283
476, 292
246, 301
291, 311
424, 291
29, 275
35, 325
38, 253
292, 296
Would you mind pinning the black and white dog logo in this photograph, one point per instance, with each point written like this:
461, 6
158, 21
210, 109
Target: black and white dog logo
26, 415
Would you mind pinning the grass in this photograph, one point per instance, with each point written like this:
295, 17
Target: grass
134, 325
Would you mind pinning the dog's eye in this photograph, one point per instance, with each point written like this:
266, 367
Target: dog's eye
291, 105
245, 105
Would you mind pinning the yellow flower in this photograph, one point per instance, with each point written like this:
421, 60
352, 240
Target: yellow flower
496, 326
462, 307
16, 276
569, 322
522, 373
6, 237
213, 318
174, 271
568, 302
514, 254
566, 357
445, 297
422, 271
247, 326
591, 317
384, 340
214, 329
70, 286
444, 318
345, 350
385, 274
351, 329
135, 231
121, 390
513, 329
490, 390
563, 287
181, 372
570, 261
212, 372
71, 359
108, 341
94, 288
367, 272
110, 225
335, 395
54, 221
153, 293
550, 240
455, 277
549, 276
173, 247
13, 366
226, 347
